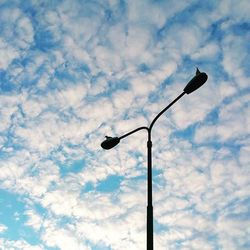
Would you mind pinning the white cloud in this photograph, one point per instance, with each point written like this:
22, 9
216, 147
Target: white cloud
19, 244
157, 14
244, 155
232, 232
3, 228
7, 54
234, 59
209, 51
233, 123
184, 40
62, 238
69, 98
34, 220
18, 30
25, 33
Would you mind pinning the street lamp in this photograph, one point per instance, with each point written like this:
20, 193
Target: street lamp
197, 81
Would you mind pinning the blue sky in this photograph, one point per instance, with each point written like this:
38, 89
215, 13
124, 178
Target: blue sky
72, 72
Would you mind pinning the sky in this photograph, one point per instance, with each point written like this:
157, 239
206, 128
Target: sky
73, 71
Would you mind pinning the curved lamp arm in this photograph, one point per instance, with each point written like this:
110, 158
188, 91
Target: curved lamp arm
164, 110
111, 142
196, 82
132, 132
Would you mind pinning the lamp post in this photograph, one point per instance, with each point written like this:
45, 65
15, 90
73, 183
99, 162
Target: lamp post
197, 81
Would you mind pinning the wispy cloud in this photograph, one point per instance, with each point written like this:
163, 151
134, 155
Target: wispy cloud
72, 72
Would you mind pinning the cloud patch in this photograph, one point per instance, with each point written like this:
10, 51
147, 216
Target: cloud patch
72, 72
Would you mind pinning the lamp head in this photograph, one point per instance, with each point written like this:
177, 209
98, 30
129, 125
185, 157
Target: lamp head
110, 142
197, 81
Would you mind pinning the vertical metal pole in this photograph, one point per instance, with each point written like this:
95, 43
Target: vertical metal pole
150, 227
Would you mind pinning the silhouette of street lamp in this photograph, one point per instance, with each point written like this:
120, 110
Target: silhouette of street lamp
197, 81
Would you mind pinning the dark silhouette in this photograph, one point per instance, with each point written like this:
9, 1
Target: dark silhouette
197, 81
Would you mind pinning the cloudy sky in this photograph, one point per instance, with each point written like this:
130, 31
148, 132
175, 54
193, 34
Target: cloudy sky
74, 71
